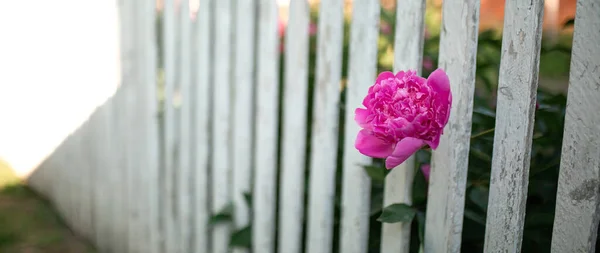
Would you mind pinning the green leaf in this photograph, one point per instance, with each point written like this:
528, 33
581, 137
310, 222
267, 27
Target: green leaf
376, 173
225, 215
241, 238
472, 215
248, 198
479, 196
421, 221
397, 213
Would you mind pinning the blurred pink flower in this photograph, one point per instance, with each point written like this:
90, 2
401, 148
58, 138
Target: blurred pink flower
404, 112
426, 33
281, 28
312, 29
385, 28
427, 63
426, 169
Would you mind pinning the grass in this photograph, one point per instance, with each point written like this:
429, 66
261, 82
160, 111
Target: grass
28, 224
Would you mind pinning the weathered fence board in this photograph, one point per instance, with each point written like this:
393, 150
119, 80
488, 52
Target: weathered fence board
187, 99
356, 184
204, 39
408, 54
577, 214
222, 125
446, 196
171, 141
324, 142
149, 171
266, 134
243, 110
293, 136
517, 90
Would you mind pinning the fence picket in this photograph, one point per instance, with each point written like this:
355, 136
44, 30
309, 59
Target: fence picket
171, 141
408, 54
222, 127
577, 214
517, 88
324, 143
185, 128
204, 59
243, 111
356, 191
446, 196
293, 136
265, 155
149, 144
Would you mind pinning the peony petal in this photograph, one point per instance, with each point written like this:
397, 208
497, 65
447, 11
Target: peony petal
426, 169
433, 144
370, 145
361, 117
384, 75
439, 82
404, 149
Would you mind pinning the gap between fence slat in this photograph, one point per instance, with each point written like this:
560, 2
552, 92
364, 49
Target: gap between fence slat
293, 140
356, 191
408, 54
324, 142
517, 90
446, 194
577, 202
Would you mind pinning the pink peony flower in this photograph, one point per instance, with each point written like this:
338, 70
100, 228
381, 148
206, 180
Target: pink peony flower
426, 169
403, 113
427, 63
385, 28
312, 29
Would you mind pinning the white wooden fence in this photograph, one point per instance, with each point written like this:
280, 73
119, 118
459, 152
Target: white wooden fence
144, 176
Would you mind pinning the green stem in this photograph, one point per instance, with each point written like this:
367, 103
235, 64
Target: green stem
483, 133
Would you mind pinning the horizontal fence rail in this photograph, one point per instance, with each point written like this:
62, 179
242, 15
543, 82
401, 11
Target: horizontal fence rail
232, 130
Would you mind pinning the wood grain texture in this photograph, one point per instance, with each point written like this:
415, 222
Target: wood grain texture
356, 184
517, 90
578, 200
222, 121
204, 59
171, 144
293, 140
244, 86
266, 132
325, 127
408, 54
446, 194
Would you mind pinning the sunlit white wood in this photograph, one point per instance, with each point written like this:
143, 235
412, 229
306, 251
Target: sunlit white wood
243, 115
265, 151
293, 136
149, 149
356, 191
408, 54
171, 148
185, 142
202, 91
222, 121
325, 127
446, 200
577, 207
517, 90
